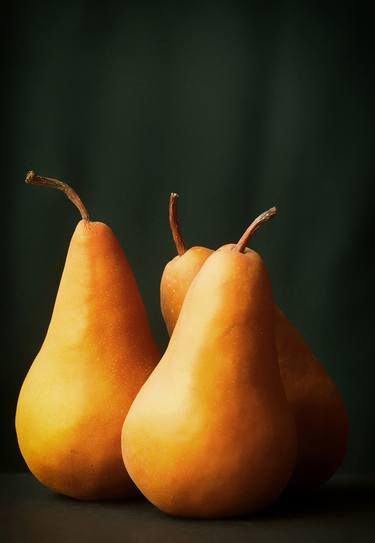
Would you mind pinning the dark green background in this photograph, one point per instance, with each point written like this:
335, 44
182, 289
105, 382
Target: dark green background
236, 106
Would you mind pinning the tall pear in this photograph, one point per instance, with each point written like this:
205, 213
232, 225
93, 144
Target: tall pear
210, 434
97, 353
318, 408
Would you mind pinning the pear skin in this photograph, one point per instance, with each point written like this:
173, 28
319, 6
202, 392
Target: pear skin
319, 411
179, 272
176, 275
210, 434
97, 353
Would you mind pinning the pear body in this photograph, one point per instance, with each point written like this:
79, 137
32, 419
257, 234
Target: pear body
319, 411
97, 353
318, 408
210, 434
178, 273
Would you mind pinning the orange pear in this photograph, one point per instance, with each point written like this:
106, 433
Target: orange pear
210, 434
320, 414
179, 272
97, 353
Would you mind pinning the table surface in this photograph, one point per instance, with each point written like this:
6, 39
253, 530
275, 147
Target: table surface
342, 510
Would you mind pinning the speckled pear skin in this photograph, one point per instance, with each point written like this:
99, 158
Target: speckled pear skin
211, 434
97, 353
320, 413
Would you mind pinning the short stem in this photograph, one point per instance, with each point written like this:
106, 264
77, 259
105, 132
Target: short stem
174, 224
250, 230
33, 179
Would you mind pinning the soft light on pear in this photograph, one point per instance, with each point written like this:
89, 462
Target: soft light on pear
210, 434
97, 353
318, 408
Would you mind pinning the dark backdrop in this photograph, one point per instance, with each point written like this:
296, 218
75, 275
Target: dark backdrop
236, 106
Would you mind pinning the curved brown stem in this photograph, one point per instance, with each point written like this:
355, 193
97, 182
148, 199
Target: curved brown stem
174, 224
250, 230
33, 179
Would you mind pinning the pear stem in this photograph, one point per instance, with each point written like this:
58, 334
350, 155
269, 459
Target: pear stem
250, 230
33, 179
174, 224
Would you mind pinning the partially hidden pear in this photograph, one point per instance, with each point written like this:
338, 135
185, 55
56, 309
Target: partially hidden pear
318, 408
210, 434
180, 271
97, 353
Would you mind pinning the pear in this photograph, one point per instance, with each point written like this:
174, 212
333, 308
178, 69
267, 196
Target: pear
179, 272
97, 353
319, 411
210, 434
317, 405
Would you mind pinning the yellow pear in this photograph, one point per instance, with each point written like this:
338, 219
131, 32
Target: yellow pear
210, 434
97, 353
318, 408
